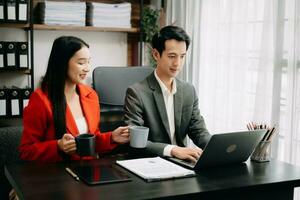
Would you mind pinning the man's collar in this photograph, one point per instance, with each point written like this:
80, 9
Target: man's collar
164, 87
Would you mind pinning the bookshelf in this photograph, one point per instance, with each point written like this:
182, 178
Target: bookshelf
133, 34
31, 26
83, 28
14, 25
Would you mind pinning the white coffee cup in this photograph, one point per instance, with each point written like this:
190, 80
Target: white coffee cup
138, 136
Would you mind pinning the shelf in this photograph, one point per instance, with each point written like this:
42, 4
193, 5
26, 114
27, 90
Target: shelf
5, 117
21, 70
83, 28
13, 25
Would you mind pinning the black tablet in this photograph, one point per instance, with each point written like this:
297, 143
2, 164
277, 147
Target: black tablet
99, 174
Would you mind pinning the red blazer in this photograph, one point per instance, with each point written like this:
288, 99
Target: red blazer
38, 141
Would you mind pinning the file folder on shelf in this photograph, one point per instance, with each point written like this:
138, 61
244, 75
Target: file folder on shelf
22, 11
2, 6
11, 10
22, 49
24, 98
1, 54
10, 50
14, 102
3, 102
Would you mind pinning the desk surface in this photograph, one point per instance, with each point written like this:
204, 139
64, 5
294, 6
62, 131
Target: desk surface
50, 181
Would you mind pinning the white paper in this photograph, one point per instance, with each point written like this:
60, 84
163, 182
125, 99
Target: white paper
15, 109
155, 168
25, 103
11, 59
11, 12
23, 61
2, 107
1, 61
23, 12
1, 12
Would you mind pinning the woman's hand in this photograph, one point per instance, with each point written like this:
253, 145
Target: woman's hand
67, 144
121, 135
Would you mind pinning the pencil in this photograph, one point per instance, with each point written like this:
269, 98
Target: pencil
265, 135
72, 173
271, 134
249, 127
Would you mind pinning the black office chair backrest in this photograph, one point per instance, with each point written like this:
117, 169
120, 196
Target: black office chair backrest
111, 83
10, 138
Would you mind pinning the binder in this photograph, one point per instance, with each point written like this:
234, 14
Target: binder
1, 54
22, 52
10, 50
3, 102
14, 102
2, 6
24, 98
11, 10
22, 11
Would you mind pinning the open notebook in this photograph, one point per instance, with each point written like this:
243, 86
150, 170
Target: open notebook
155, 169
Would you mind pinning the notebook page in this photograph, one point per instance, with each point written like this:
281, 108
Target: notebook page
155, 168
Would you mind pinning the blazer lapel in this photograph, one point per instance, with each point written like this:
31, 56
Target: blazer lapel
88, 107
178, 102
70, 122
159, 100
88, 111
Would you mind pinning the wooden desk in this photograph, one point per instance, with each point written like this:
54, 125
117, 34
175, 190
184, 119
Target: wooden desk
271, 180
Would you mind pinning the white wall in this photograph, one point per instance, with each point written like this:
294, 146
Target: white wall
107, 49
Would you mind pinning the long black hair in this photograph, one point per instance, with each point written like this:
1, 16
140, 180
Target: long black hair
53, 82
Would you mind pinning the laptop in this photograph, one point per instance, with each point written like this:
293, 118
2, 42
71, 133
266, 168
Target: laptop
224, 149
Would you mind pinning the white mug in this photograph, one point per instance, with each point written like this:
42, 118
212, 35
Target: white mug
138, 136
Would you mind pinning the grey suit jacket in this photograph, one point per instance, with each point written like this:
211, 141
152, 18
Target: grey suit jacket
144, 106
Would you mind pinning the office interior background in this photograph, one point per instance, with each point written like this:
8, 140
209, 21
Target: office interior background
244, 61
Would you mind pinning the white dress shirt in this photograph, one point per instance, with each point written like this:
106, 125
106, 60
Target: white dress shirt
169, 104
81, 125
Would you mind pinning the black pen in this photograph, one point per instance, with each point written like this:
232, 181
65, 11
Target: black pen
72, 173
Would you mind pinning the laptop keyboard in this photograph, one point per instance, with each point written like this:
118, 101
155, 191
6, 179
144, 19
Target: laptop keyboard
187, 163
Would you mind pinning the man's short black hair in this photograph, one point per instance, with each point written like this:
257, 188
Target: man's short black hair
169, 33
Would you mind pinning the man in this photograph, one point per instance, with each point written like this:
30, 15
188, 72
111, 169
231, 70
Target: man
168, 106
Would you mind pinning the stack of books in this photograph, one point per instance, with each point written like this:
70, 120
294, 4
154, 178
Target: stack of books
63, 13
109, 15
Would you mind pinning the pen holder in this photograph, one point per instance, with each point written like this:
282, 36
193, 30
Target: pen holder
261, 152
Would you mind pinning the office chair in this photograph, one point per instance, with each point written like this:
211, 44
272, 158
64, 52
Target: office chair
10, 138
111, 84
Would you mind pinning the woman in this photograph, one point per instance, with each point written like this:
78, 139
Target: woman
64, 107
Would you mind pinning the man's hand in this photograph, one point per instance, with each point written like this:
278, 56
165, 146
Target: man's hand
67, 144
186, 153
